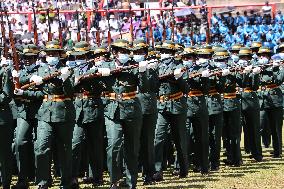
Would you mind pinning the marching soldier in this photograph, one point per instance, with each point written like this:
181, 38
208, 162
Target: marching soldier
124, 115
232, 117
171, 110
89, 116
148, 102
55, 117
27, 108
250, 104
271, 101
6, 121
215, 105
197, 115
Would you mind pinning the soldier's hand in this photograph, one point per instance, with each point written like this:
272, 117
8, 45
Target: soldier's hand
152, 64
143, 66
104, 71
178, 73
225, 72
256, 70
18, 92
205, 73
275, 64
37, 79
247, 69
15, 73
65, 73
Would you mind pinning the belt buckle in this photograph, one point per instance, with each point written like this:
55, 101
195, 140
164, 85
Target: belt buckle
118, 96
50, 97
166, 97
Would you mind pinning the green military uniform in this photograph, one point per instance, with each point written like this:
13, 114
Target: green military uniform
215, 107
250, 107
148, 102
89, 116
27, 108
171, 111
6, 130
271, 102
197, 114
55, 117
232, 118
124, 115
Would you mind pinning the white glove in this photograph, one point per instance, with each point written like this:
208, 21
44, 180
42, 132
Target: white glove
18, 92
104, 71
76, 80
205, 73
225, 72
15, 73
275, 64
178, 73
3, 61
65, 73
152, 64
37, 79
256, 70
247, 69
143, 66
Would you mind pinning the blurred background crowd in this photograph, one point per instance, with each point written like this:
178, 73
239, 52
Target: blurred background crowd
190, 25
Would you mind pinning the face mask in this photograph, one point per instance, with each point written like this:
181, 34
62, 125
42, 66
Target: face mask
243, 62
235, 58
99, 63
254, 56
202, 61
138, 58
123, 58
221, 65
52, 61
263, 60
9, 62
71, 64
164, 56
187, 63
80, 62
30, 67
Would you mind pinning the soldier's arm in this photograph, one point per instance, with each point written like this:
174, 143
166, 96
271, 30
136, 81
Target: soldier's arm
68, 87
204, 84
220, 83
7, 87
278, 76
255, 82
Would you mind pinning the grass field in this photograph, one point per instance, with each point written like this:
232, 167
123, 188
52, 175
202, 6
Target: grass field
252, 175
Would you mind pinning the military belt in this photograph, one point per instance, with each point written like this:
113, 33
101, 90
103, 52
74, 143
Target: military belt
55, 98
230, 95
248, 90
22, 99
122, 96
168, 97
85, 95
195, 93
271, 86
213, 92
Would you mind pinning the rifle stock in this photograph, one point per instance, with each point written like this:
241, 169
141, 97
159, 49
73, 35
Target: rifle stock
15, 54
78, 27
59, 29
35, 26
49, 28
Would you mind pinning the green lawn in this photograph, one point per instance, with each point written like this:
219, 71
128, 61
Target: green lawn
267, 174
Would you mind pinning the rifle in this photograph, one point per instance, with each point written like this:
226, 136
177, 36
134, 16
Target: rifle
173, 22
49, 28
59, 29
35, 25
78, 27
47, 78
131, 27
164, 28
5, 50
15, 54
117, 70
151, 36
97, 27
191, 30
108, 32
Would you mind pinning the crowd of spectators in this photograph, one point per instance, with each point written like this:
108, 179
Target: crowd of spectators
227, 28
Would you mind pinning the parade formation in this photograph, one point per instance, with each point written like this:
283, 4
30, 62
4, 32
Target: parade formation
127, 106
